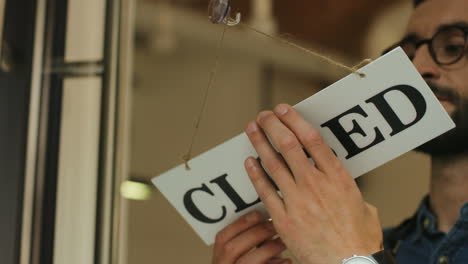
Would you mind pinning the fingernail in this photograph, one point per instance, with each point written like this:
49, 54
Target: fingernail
251, 127
250, 163
281, 109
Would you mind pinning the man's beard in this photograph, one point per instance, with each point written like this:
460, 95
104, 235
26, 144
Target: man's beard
454, 141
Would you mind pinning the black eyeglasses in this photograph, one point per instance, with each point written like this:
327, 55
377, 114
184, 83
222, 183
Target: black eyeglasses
446, 47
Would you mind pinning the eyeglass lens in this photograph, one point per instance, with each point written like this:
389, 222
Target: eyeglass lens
447, 47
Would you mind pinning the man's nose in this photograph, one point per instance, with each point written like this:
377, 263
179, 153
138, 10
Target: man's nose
425, 64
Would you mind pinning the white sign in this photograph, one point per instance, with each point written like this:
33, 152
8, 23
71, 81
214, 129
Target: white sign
366, 121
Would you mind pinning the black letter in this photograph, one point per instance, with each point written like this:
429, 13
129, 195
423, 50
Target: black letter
232, 194
193, 209
387, 112
344, 137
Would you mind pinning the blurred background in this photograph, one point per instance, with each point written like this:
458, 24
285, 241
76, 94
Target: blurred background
110, 94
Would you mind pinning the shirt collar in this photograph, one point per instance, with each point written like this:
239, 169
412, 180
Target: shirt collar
427, 221
464, 215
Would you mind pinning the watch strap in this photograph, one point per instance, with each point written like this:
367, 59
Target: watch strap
384, 257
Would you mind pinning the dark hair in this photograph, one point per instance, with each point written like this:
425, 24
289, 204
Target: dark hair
417, 2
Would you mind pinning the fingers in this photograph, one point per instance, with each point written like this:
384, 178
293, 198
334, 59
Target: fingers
286, 142
266, 253
242, 242
279, 260
237, 227
240, 245
309, 137
264, 188
272, 161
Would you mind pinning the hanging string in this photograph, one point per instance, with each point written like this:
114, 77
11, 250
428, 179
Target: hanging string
188, 156
362, 64
310, 52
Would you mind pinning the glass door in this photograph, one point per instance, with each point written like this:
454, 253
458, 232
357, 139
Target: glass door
17, 28
58, 108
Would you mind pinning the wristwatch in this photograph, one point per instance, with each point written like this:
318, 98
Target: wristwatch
381, 257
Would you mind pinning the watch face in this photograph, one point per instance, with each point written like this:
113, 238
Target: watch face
359, 260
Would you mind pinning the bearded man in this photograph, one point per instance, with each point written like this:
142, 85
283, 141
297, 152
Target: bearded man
322, 217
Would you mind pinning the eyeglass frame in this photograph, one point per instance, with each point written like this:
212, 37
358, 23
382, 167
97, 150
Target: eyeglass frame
429, 42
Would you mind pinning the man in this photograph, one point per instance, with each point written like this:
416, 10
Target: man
322, 217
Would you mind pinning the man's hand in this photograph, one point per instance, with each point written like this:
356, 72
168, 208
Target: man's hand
248, 240
322, 217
